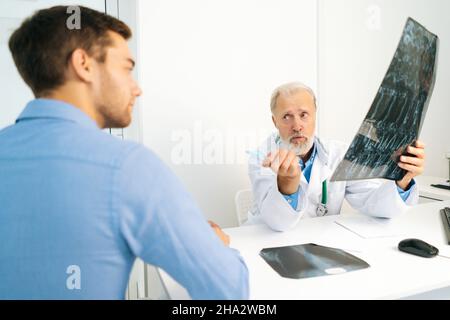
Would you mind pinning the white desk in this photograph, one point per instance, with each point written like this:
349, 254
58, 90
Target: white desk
427, 191
392, 275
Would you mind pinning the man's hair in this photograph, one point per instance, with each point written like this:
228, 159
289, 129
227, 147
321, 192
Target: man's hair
289, 89
43, 45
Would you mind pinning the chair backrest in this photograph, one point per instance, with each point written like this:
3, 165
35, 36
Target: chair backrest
243, 201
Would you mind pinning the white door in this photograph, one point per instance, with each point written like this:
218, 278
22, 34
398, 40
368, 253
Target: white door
14, 92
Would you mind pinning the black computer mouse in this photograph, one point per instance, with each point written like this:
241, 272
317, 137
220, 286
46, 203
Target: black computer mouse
418, 247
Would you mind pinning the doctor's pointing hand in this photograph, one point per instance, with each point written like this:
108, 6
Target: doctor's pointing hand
286, 165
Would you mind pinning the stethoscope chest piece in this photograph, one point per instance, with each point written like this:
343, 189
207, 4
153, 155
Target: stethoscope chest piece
322, 210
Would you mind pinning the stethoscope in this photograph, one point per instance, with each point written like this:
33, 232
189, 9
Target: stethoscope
322, 208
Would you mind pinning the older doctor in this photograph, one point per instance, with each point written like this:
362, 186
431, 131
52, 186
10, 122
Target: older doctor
289, 170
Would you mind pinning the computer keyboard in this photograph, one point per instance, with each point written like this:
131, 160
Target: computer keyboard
446, 220
441, 186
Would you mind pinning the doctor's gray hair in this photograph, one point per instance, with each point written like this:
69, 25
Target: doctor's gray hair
289, 89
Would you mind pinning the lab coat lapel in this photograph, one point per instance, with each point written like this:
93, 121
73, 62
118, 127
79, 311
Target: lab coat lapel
320, 172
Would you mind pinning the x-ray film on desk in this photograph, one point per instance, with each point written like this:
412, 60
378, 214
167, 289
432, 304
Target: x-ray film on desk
397, 114
310, 260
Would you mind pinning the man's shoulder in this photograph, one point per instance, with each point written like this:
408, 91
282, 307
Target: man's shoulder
112, 150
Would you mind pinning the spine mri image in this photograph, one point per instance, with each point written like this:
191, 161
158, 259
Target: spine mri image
397, 113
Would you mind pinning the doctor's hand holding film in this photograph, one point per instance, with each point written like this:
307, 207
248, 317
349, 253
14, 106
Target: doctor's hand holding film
413, 164
285, 164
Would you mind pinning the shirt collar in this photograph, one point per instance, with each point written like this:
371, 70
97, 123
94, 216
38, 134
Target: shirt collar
311, 158
55, 109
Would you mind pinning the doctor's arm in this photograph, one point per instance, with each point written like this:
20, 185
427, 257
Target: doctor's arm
387, 199
272, 203
379, 198
284, 164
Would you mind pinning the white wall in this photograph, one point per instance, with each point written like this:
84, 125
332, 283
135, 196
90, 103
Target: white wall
207, 71
357, 40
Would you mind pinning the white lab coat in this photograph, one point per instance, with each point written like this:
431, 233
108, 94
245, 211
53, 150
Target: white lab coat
374, 197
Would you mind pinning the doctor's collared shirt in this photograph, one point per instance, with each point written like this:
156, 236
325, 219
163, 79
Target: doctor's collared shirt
292, 199
79, 205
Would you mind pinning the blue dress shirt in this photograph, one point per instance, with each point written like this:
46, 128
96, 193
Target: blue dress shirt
292, 199
79, 205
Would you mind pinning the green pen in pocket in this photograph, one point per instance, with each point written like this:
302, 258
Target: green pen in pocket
324, 193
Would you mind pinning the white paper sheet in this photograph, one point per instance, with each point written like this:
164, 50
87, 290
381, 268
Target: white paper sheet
369, 227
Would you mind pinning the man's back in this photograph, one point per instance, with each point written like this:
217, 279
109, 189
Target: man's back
74, 214
56, 190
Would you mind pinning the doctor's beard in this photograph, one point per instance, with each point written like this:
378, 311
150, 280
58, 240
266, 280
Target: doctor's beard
299, 149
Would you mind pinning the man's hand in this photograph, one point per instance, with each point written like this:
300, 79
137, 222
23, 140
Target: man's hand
285, 164
413, 165
222, 235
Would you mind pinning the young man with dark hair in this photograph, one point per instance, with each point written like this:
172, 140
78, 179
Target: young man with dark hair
78, 205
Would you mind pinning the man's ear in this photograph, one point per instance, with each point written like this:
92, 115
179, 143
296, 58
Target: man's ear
274, 122
82, 65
